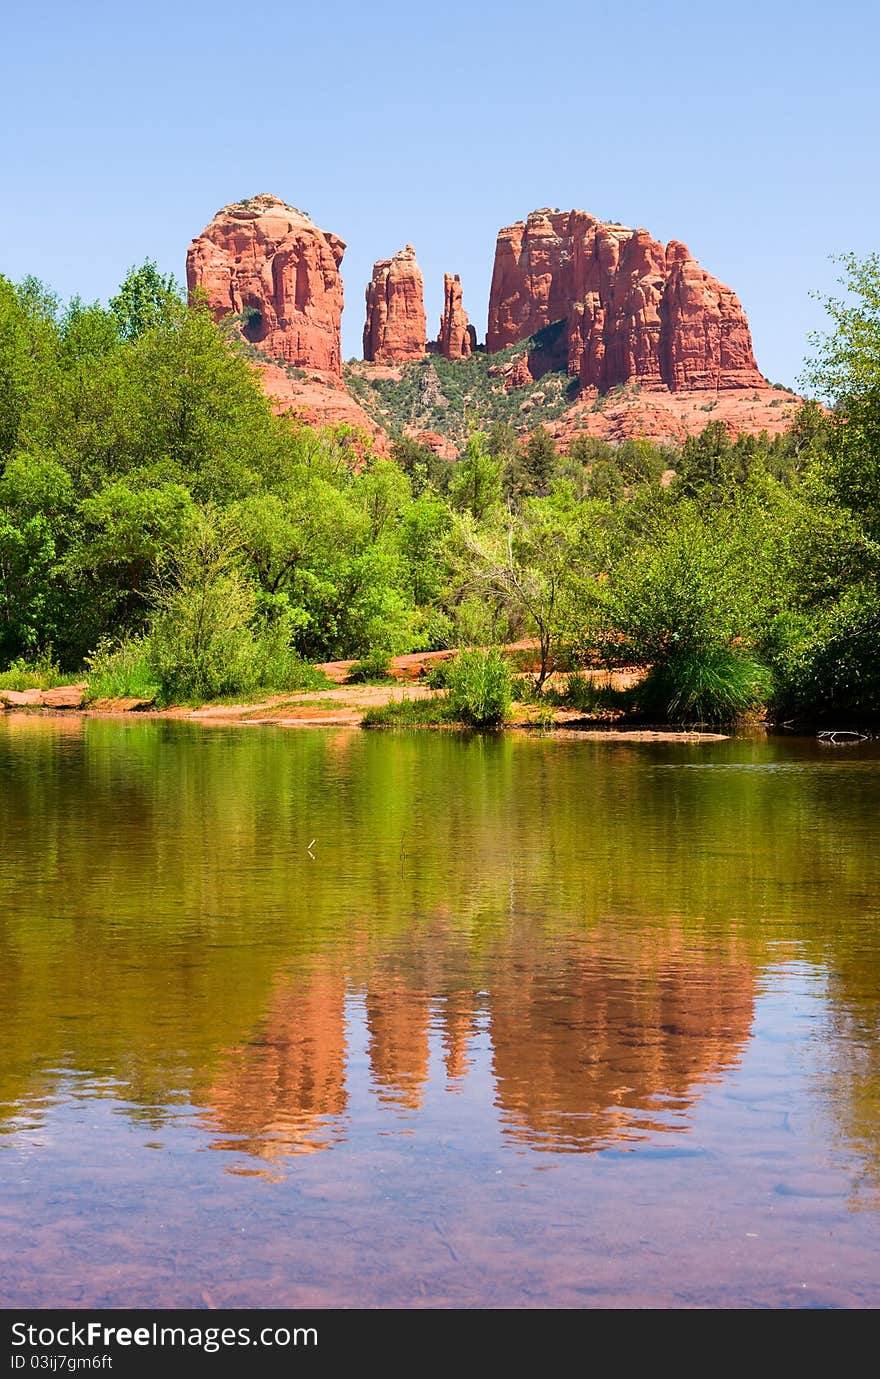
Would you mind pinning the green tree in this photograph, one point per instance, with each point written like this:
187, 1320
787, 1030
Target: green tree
145, 299
476, 483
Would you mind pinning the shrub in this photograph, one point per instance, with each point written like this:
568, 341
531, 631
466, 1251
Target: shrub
435, 631
376, 665
438, 675
828, 663
40, 673
121, 671
275, 665
479, 688
201, 644
586, 694
712, 684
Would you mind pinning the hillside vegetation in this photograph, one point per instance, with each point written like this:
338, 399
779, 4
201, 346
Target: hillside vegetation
163, 530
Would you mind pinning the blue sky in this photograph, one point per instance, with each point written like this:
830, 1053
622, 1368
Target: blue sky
750, 132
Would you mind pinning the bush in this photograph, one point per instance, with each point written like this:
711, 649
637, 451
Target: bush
438, 674
275, 665
434, 631
586, 694
712, 684
121, 671
525, 690
479, 689
40, 673
201, 643
829, 662
376, 665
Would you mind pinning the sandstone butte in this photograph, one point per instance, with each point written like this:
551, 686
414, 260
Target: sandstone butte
631, 310
457, 339
395, 326
267, 264
615, 307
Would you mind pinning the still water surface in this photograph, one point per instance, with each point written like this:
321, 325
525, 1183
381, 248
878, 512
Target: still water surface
533, 1022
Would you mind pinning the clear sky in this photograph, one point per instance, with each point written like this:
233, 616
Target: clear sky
749, 130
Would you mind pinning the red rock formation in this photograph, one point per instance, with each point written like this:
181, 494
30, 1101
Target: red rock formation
705, 336
395, 326
268, 263
520, 376
457, 339
631, 309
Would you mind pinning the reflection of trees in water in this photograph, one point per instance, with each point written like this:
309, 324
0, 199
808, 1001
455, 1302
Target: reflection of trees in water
162, 927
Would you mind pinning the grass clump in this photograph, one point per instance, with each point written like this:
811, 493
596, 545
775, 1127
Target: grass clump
409, 713
479, 688
121, 671
707, 685
375, 668
40, 673
590, 694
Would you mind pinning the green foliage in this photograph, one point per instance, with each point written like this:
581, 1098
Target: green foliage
828, 664
475, 486
374, 668
438, 674
710, 684
846, 371
40, 673
146, 299
590, 695
479, 688
122, 671
200, 643
161, 524
409, 713
694, 580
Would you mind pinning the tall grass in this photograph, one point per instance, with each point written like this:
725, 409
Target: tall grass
122, 671
40, 673
479, 688
408, 713
710, 685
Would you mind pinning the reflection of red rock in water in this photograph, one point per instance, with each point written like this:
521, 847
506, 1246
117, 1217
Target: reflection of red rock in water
590, 1045
277, 1094
458, 1026
398, 1020
590, 1053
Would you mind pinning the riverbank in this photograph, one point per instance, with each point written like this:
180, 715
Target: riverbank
341, 702
346, 705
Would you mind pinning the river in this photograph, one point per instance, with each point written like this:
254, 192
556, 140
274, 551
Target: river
339, 1018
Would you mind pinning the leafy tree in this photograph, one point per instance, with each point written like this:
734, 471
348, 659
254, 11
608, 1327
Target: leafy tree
536, 564
146, 298
845, 371
476, 483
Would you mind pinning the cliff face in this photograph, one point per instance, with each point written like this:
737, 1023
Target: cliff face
457, 339
395, 327
632, 309
268, 263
